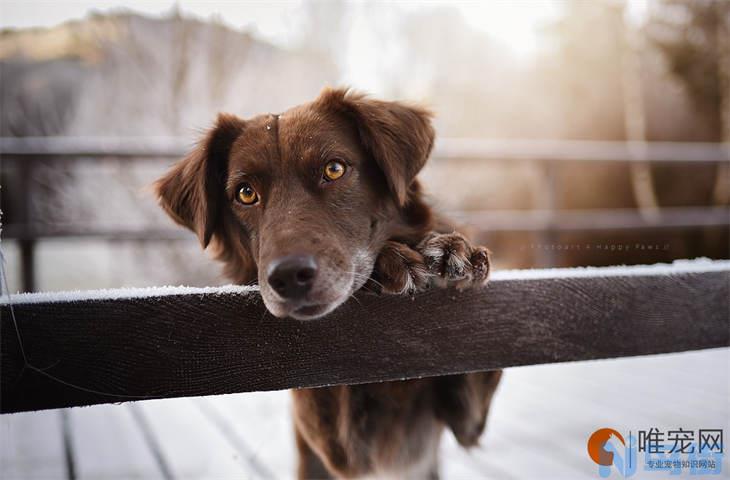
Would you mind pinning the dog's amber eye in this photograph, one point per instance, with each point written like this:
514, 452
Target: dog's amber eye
247, 195
334, 170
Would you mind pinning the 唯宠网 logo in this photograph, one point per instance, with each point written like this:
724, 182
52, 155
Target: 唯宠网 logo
678, 451
609, 450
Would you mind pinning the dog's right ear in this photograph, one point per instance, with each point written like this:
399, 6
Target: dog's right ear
399, 136
192, 191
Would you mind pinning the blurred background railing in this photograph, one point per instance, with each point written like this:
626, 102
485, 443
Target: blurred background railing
544, 222
571, 132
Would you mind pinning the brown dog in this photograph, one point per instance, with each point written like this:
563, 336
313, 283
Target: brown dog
314, 204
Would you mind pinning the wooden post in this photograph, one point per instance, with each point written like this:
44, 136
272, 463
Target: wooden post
27, 242
642, 180
546, 256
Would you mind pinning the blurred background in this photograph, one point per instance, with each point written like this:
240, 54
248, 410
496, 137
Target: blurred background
570, 132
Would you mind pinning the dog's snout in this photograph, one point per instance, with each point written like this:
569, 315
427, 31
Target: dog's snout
292, 276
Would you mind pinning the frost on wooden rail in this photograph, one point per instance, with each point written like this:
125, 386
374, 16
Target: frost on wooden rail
82, 348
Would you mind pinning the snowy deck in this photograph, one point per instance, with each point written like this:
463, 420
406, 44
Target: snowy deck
539, 425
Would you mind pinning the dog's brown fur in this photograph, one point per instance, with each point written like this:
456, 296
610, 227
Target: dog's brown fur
370, 228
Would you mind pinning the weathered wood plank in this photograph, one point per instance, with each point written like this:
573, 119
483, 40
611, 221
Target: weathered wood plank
165, 344
263, 423
108, 444
192, 445
31, 446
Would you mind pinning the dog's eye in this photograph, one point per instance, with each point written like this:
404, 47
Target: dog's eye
334, 170
247, 195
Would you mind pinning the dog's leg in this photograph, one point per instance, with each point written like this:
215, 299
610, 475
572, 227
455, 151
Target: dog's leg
433, 474
444, 259
310, 466
399, 270
462, 403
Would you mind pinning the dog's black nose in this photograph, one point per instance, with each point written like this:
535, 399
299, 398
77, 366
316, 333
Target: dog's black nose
292, 276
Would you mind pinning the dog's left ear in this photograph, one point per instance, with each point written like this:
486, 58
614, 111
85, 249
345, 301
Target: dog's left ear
398, 136
192, 191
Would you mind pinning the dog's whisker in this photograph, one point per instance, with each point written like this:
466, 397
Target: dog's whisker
352, 295
263, 315
367, 278
367, 289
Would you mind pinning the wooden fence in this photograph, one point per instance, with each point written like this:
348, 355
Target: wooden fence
547, 154
83, 348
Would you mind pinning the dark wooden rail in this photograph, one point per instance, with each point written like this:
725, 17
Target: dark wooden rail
113, 346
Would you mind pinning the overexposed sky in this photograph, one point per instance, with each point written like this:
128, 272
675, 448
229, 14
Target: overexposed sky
514, 23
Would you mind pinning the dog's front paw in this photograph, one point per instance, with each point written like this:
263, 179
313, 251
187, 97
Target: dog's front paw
399, 270
453, 259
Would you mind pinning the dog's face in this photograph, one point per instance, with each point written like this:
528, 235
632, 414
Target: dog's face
303, 200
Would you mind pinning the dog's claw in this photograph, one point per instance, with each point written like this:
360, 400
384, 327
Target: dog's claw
452, 258
480, 265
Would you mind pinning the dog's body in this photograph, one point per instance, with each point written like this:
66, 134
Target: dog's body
389, 429
315, 204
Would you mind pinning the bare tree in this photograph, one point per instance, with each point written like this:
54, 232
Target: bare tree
635, 120
693, 36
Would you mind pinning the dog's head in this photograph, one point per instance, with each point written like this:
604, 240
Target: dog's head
304, 200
